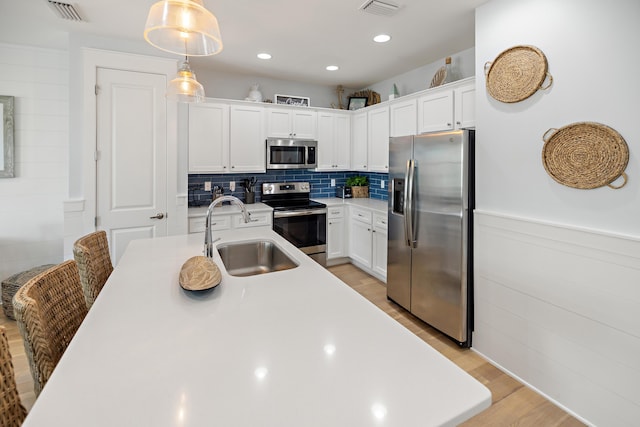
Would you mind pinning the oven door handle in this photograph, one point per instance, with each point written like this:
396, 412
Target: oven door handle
287, 214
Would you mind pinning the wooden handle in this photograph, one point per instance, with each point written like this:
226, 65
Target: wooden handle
616, 187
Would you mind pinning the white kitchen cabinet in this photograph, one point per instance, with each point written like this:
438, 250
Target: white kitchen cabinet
403, 117
246, 139
378, 136
360, 234
197, 224
465, 106
334, 141
226, 138
257, 219
379, 243
359, 142
292, 123
336, 237
435, 111
448, 108
208, 138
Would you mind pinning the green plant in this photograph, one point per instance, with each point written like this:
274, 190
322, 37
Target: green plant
357, 181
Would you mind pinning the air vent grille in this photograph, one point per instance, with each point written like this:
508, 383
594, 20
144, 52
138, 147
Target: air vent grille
65, 11
377, 7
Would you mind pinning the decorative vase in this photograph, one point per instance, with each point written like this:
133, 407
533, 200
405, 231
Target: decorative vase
254, 94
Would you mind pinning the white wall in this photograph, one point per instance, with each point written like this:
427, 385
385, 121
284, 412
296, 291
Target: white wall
557, 274
463, 65
31, 219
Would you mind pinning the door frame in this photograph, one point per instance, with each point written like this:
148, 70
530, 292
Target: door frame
92, 59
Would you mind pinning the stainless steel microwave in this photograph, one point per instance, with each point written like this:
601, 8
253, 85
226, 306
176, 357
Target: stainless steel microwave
291, 153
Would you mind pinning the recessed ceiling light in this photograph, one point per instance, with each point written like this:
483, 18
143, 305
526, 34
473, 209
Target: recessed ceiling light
264, 56
332, 67
381, 38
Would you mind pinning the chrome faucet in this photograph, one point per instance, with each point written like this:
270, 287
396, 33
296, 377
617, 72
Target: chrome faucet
208, 239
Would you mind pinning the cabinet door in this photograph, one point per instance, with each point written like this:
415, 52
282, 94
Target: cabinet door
435, 112
326, 141
378, 133
279, 123
342, 142
335, 238
247, 139
359, 142
404, 116
208, 138
360, 242
380, 245
465, 106
304, 124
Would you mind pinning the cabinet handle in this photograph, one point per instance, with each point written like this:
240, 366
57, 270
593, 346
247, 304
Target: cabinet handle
458, 123
224, 167
233, 167
449, 124
157, 216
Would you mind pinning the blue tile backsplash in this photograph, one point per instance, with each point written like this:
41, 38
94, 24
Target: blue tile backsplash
320, 183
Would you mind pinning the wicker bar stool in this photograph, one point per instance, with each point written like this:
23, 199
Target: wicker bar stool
91, 252
49, 310
12, 413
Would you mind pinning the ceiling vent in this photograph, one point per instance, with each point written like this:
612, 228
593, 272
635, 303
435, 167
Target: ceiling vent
377, 7
65, 11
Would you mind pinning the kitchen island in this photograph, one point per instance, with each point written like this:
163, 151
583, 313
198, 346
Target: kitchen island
289, 348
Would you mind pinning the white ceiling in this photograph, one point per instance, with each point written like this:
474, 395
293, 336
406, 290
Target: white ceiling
303, 36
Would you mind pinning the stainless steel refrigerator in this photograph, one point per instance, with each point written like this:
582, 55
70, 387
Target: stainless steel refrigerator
430, 257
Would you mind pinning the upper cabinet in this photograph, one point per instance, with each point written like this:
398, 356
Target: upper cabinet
378, 134
447, 108
403, 120
226, 138
359, 142
247, 148
292, 123
334, 141
208, 138
370, 139
465, 106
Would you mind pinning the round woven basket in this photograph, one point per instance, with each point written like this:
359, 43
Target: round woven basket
585, 155
517, 73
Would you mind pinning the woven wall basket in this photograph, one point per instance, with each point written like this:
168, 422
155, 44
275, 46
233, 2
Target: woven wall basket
585, 155
517, 73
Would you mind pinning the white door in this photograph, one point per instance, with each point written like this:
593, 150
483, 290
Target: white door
131, 169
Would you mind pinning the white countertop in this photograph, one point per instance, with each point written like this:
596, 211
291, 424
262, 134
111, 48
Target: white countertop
291, 348
378, 205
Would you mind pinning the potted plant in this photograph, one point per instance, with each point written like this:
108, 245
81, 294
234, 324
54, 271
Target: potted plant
359, 185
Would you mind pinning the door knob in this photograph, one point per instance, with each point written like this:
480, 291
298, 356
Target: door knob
157, 216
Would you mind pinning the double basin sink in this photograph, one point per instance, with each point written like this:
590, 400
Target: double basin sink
254, 257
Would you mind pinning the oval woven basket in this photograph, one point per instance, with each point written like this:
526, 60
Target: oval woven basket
585, 155
517, 73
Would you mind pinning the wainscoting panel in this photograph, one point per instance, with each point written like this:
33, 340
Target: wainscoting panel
558, 307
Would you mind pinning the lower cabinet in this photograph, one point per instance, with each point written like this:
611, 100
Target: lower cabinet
368, 241
379, 250
227, 221
336, 238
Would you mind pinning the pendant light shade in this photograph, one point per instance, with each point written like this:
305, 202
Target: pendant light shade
185, 87
183, 27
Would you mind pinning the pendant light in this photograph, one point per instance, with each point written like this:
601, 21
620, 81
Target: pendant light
185, 87
183, 27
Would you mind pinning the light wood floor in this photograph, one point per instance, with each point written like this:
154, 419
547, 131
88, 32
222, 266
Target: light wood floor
513, 403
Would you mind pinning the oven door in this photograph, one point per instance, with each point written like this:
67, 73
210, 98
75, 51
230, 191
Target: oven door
305, 229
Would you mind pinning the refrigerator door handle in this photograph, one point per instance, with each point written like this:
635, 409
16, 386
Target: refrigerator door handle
408, 197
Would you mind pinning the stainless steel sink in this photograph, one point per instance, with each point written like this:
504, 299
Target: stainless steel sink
255, 257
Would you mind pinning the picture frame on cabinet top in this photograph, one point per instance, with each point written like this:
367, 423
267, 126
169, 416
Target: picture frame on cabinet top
357, 102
